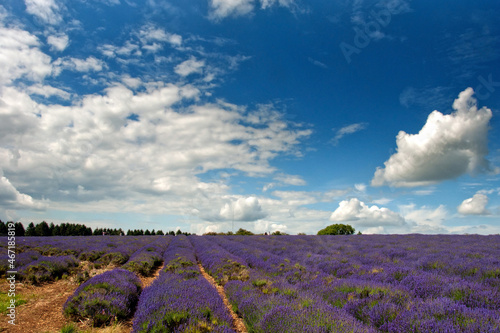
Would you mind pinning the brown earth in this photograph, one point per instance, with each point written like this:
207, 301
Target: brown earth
146, 281
42, 312
238, 323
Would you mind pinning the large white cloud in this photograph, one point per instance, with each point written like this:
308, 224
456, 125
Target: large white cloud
11, 198
20, 56
243, 209
46, 10
447, 147
475, 205
360, 214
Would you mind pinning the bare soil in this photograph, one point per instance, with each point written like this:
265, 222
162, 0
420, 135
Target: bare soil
238, 323
43, 310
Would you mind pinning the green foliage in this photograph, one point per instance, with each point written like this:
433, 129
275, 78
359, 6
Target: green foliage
5, 302
69, 328
337, 229
244, 232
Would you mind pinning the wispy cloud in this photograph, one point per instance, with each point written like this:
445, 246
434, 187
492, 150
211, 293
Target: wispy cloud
317, 63
346, 130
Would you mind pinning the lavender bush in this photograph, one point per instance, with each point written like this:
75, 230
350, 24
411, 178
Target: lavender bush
47, 269
105, 298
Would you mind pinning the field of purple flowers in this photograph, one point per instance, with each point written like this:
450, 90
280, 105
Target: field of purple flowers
376, 283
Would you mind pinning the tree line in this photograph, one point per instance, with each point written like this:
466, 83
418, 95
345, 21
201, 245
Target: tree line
71, 229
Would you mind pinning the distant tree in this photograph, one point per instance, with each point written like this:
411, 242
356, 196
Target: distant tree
42, 229
244, 232
160, 233
178, 232
277, 233
30, 231
301, 234
337, 229
3, 228
229, 233
19, 229
51, 228
359, 233
171, 233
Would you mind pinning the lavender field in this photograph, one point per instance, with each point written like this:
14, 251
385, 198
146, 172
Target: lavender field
368, 283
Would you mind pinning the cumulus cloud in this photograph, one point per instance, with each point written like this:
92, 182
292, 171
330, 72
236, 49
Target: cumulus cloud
475, 205
150, 34
189, 67
20, 57
447, 147
350, 129
357, 211
58, 42
243, 209
45, 10
79, 65
48, 91
11, 198
425, 216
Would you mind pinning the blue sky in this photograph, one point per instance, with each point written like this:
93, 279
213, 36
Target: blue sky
266, 115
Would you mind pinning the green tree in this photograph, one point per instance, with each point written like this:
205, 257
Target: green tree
42, 229
19, 229
242, 231
337, 229
3, 228
30, 231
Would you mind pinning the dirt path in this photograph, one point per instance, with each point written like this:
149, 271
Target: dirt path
238, 324
146, 281
43, 310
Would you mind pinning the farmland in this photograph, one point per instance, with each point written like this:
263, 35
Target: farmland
368, 283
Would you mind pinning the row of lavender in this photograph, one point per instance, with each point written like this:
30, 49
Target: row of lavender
387, 283
43, 259
180, 299
113, 295
256, 283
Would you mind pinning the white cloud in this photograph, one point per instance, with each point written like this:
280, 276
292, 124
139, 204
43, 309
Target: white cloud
358, 212
243, 209
360, 187
45, 10
474, 206
48, 91
58, 42
189, 67
425, 216
268, 3
20, 57
445, 148
150, 34
11, 198
350, 129
79, 65
50, 149
224, 8
382, 201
